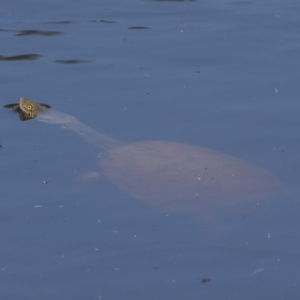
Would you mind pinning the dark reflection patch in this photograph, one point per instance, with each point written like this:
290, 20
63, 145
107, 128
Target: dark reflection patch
32, 32
60, 22
38, 32
20, 57
205, 280
102, 21
138, 27
72, 61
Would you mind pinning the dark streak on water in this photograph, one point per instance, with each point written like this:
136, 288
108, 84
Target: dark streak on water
20, 57
138, 27
72, 61
103, 21
61, 22
32, 32
38, 32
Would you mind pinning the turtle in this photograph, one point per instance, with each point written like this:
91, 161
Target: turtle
168, 174
31, 111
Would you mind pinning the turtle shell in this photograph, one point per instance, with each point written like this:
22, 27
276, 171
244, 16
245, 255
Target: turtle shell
184, 177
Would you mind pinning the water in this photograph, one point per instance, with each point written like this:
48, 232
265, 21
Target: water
221, 75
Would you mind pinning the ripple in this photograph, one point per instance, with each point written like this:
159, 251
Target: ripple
38, 32
138, 27
20, 57
32, 32
60, 22
72, 61
102, 21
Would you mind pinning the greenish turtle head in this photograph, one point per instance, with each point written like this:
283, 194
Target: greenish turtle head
28, 109
31, 108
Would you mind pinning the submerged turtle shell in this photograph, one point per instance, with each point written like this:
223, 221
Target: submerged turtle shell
184, 177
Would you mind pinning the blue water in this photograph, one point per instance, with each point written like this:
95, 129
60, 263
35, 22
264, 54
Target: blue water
221, 75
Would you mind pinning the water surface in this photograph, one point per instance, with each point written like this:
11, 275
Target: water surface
220, 75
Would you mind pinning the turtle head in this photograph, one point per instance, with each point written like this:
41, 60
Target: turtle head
29, 107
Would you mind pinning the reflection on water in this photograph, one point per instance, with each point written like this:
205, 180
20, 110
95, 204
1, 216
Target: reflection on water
102, 21
138, 27
20, 57
61, 22
32, 32
38, 32
72, 61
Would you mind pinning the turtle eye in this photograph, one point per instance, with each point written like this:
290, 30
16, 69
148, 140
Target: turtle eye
29, 107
